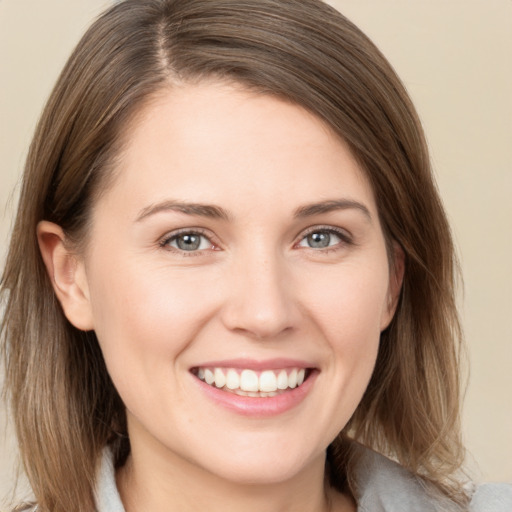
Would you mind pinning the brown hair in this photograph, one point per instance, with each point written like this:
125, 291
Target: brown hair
64, 405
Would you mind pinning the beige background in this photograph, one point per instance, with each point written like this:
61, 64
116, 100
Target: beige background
455, 57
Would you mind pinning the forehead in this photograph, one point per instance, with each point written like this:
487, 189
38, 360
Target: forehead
212, 141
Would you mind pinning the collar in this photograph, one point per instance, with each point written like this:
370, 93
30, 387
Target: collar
382, 485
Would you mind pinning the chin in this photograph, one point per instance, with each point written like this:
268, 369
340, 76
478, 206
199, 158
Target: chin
261, 466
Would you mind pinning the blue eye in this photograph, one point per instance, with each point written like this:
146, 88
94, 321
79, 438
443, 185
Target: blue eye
323, 239
188, 242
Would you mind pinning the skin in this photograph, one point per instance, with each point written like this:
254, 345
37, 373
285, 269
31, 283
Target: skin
255, 289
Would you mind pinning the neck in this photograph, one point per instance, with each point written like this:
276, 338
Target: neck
163, 484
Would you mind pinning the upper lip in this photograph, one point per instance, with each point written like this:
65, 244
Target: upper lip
257, 364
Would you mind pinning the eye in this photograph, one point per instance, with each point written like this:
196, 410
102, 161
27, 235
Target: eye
324, 238
188, 241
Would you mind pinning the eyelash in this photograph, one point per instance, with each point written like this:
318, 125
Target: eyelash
344, 236
346, 240
164, 242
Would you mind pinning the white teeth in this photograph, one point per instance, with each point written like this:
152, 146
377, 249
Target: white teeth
282, 380
268, 381
220, 378
208, 377
232, 379
249, 381
292, 379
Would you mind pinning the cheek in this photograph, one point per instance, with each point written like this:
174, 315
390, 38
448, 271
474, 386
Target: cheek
349, 301
143, 315
349, 315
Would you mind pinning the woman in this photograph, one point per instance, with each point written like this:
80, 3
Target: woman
230, 281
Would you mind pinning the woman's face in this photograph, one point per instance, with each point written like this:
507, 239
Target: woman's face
240, 242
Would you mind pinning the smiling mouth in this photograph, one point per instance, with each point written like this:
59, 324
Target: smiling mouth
246, 382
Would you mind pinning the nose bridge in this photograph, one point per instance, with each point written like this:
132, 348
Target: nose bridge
260, 301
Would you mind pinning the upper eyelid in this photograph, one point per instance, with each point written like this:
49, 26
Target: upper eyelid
171, 235
346, 239
165, 239
328, 228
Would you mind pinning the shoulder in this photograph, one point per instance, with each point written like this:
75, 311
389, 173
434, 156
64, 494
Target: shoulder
382, 485
492, 498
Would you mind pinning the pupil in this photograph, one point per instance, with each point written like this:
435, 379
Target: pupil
319, 240
188, 242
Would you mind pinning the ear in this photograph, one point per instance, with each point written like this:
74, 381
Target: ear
67, 275
396, 277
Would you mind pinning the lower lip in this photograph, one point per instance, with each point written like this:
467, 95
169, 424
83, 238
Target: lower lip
259, 406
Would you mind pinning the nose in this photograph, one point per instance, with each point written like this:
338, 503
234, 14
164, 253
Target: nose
261, 302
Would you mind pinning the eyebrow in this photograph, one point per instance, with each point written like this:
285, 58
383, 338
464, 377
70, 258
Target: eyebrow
310, 210
216, 212
202, 210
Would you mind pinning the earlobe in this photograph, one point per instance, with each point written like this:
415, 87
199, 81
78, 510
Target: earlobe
67, 275
396, 277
